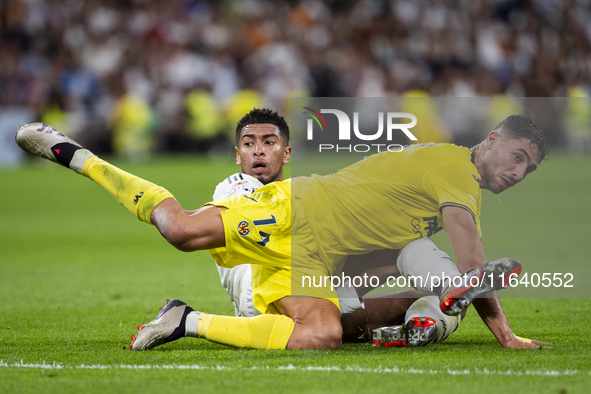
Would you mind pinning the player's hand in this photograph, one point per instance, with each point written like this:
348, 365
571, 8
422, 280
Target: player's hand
525, 343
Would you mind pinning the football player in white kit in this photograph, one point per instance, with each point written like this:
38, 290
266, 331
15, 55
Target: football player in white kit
405, 318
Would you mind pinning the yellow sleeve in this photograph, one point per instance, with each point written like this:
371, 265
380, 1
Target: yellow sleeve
455, 184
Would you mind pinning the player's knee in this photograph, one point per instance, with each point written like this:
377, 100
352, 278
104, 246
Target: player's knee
318, 323
333, 336
327, 336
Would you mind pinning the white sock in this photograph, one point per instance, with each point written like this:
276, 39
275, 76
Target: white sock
191, 324
428, 306
427, 265
79, 158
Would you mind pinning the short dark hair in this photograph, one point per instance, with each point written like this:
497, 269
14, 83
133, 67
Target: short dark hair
521, 126
263, 116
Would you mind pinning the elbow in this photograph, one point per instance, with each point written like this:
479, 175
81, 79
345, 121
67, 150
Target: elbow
183, 231
180, 238
174, 230
184, 246
186, 236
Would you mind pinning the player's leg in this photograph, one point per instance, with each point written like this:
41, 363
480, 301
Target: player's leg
317, 323
237, 282
177, 320
430, 269
487, 278
426, 267
407, 318
312, 323
378, 263
399, 319
137, 195
379, 310
201, 229
384, 311
428, 306
312, 328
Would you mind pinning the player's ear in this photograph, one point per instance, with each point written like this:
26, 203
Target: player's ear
238, 161
491, 139
286, 154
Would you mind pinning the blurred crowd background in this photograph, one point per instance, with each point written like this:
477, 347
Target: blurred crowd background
133, 77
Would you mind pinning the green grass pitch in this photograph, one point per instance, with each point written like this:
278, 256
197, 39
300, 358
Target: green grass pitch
78, 274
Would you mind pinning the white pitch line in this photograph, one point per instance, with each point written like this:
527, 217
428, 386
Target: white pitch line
380, 369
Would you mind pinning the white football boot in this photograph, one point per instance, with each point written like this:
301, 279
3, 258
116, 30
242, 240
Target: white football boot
418, 331
44, 141
168, 326
486, 278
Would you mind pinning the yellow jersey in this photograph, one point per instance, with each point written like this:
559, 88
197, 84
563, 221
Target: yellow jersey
388, 199
306, 227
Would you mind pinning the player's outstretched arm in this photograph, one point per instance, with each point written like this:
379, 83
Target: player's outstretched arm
469, 252
491, 312
189, 230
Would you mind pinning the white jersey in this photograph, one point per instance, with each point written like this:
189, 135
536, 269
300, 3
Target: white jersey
236, 184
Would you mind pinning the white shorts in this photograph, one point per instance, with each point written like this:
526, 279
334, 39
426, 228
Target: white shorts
238, 283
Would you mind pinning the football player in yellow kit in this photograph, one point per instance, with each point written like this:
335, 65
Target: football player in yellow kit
261, 153
258, 228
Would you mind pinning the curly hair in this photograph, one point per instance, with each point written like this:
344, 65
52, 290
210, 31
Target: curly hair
263, 116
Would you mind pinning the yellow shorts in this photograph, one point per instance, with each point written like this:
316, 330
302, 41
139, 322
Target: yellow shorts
258, 230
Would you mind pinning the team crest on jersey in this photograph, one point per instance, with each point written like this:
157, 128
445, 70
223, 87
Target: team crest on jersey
243, 228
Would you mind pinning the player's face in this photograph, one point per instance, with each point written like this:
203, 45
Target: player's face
507, 162
262, 152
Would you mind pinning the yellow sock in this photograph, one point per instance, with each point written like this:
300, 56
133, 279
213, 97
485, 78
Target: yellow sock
259, 332
139, 196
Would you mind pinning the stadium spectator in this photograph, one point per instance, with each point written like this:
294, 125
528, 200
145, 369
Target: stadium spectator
163, 51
